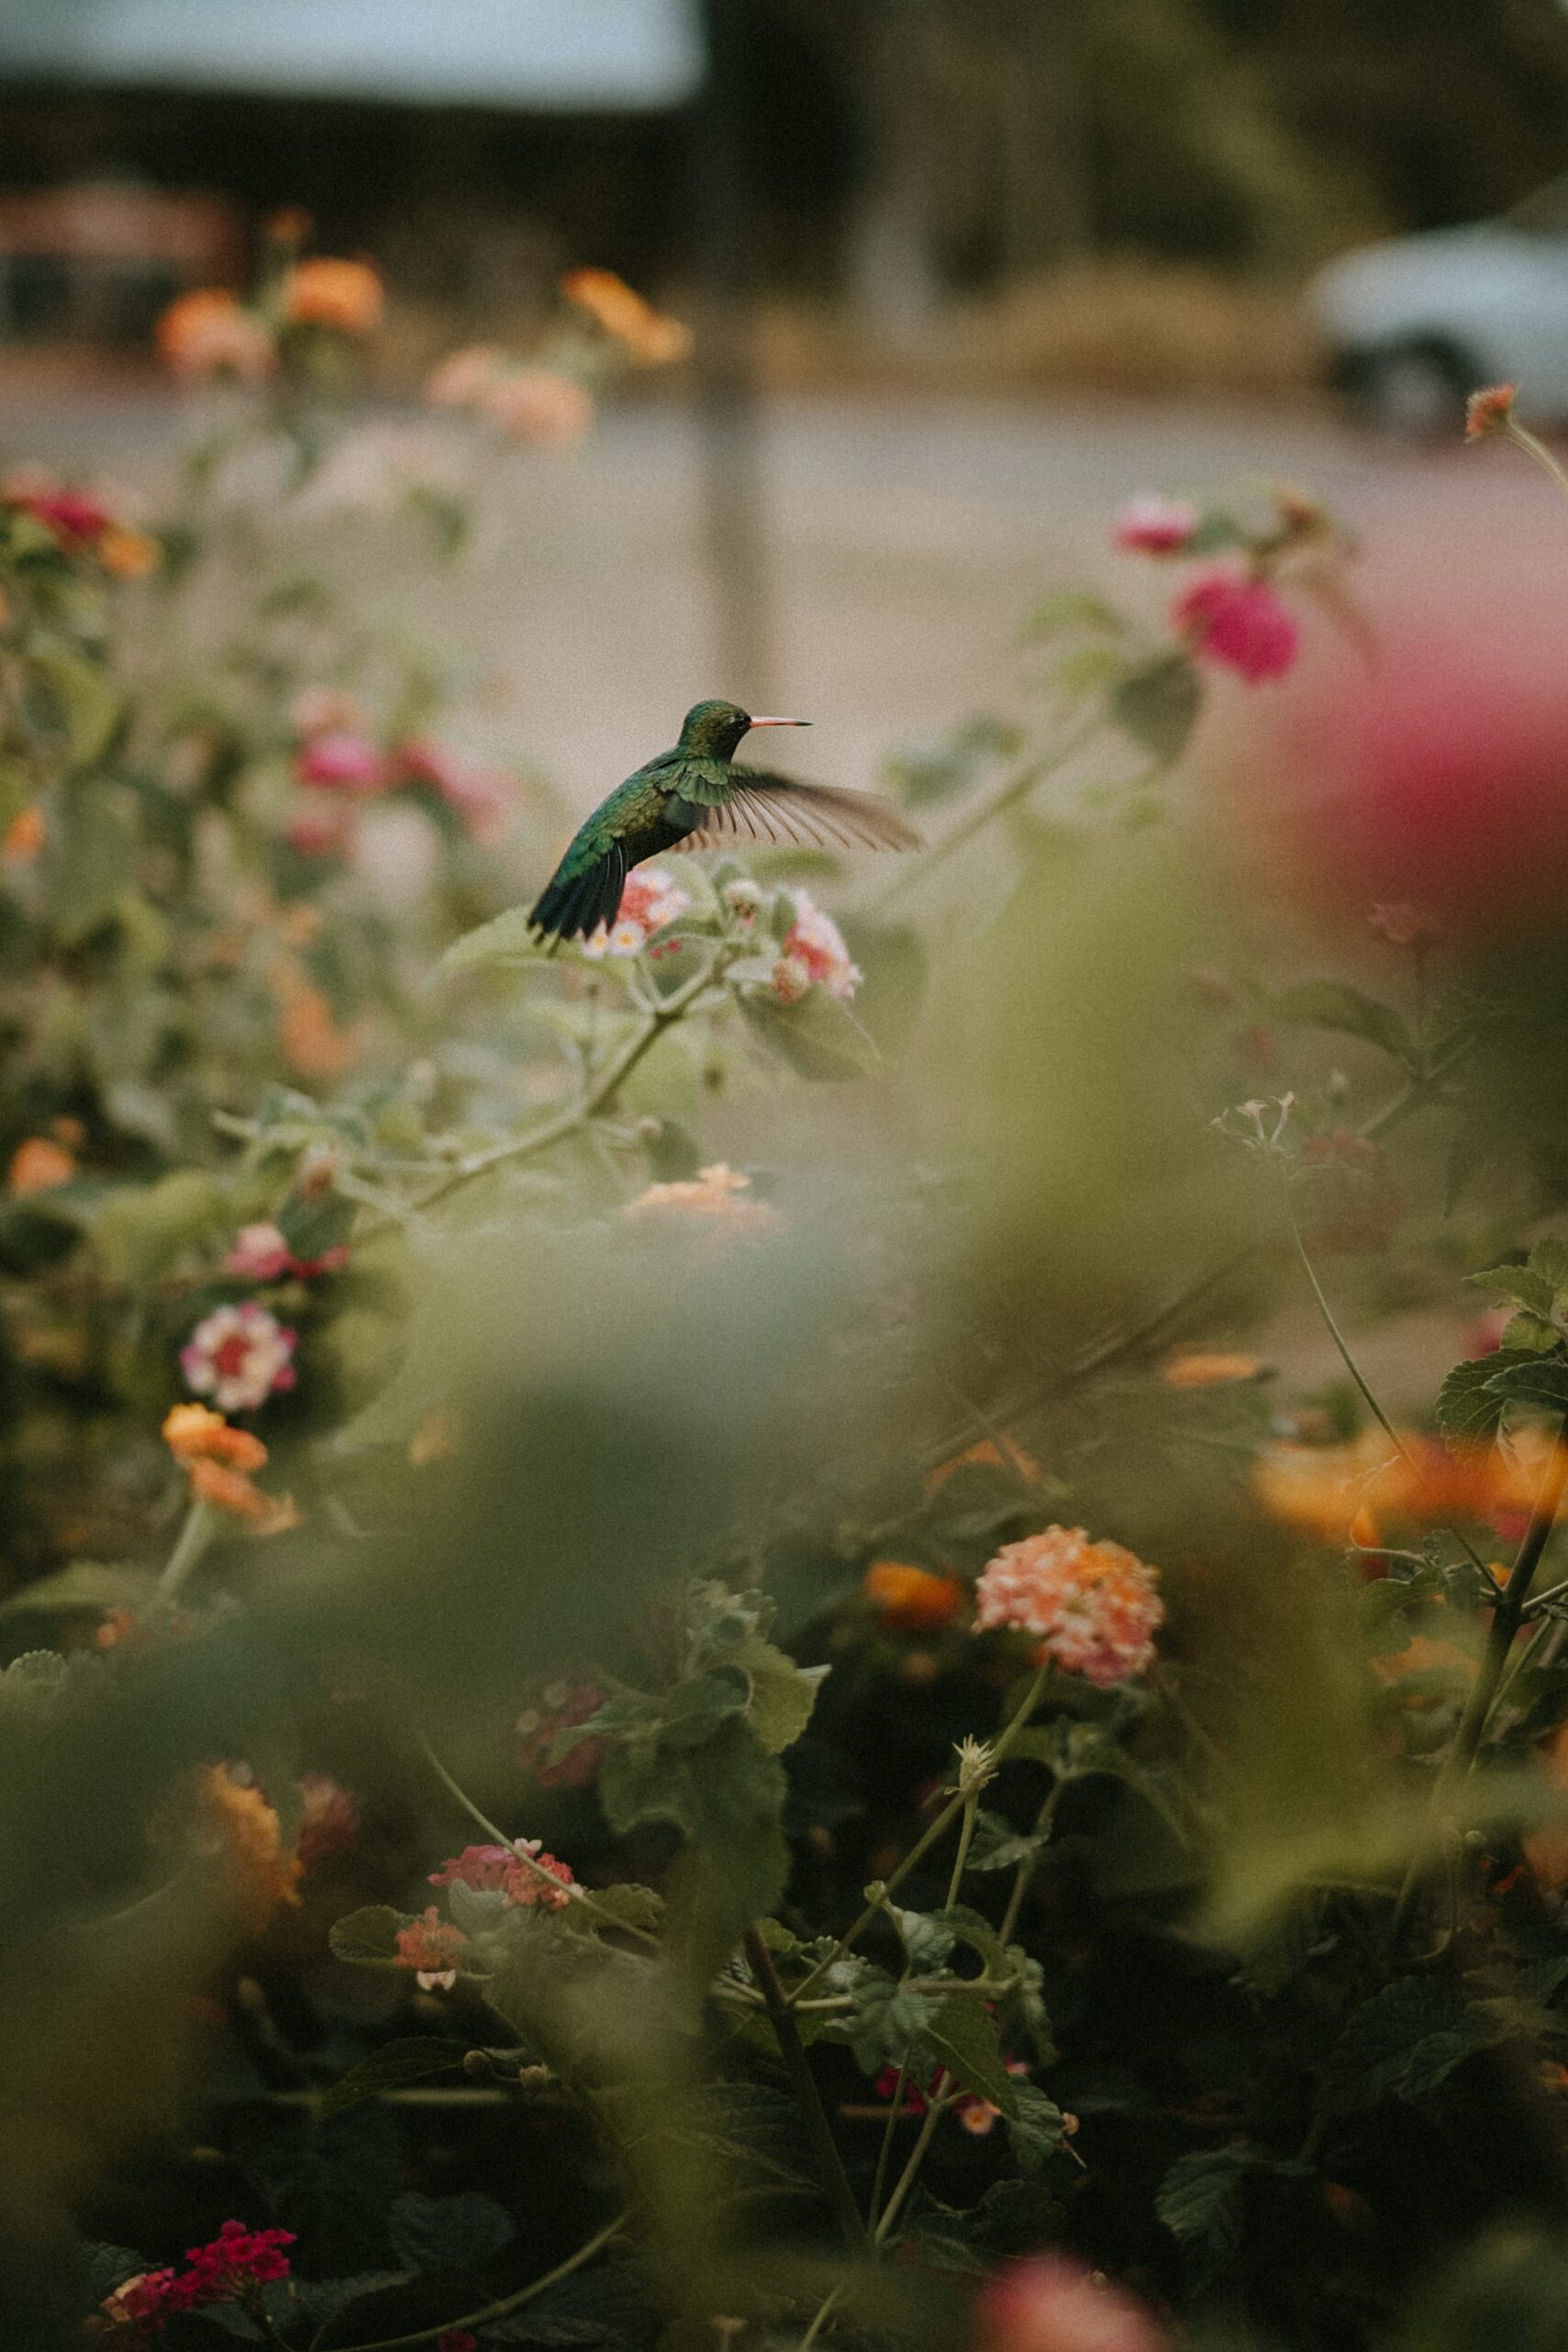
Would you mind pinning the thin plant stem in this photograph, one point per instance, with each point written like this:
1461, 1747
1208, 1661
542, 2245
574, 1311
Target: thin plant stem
910, 2173
924, 1843
960, 1860
1523, 438
884, 2152
1024, 1875
1011, 789
814, 2115
1338, 1335
500, 2309
1505, 1620
825, 2310
197, 1532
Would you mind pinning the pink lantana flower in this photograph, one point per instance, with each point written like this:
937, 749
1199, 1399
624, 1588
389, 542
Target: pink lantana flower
1239, 623
239, 1356
1150, 524
432, 1946
1095, 1605
237, 2260
650, 899
536, 1877
261, 1254
1051, 2303
815, 945
342, 762
483, 1868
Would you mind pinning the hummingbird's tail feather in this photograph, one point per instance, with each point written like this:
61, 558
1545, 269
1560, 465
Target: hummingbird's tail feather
572, 906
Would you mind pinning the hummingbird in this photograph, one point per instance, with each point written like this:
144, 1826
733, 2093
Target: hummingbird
696, 797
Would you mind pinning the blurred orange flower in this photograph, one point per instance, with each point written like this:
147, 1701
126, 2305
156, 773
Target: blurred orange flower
911, 1600
1209, 1371
231, 1491
262, 1877
38, 1166
24, 836
345, 295
648, 338
126, 554
990, 1453
1323, 1488
209, 333
195, 1434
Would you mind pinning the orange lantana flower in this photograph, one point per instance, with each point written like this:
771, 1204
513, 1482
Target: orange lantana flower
195, 1434
262, 1876
126, 554
1323, 1488
1198, 1371
24, 836
650, 339
38, 1166
990, 1453
911, 1600
345, 295
207, 332
232, 1491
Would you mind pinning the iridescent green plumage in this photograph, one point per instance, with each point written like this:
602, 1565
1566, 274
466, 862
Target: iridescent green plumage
695, 797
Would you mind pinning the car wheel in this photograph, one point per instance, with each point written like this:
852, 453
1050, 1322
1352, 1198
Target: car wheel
1415, 390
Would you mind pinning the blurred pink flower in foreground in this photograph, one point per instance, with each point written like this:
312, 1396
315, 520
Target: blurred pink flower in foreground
1150, 524
1239, 623
1053, 2303
341, 761
1095, 1605
537, 404
238, 1356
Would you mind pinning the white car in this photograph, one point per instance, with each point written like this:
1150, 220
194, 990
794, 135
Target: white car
1417, 324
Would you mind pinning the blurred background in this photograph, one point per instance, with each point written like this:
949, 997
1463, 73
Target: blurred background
965, 273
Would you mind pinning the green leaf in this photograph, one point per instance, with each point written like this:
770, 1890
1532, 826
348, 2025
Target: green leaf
88, 700
368, 1937
1330, 1004
89, 862
1075, 608
1158, 706
1405, 2041
311, 1225
1538, 1380
782, 1694
1526, 1334
725, 1795
459, 2232
83, 1584
1035, 2131
888, 2022
409, 2061
1522, 1284
819, 1038
925, 1939
109, 2267
1199, 2201
692, 1710
505, 940
963, 2037
1469, 1406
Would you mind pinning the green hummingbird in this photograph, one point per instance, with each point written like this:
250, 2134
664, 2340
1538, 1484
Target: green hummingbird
696, 797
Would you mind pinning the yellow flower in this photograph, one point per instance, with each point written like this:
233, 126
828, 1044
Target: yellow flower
262, 1877
648, 338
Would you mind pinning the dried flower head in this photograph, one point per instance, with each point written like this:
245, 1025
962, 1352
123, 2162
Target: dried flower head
1095, 1605
1491, 410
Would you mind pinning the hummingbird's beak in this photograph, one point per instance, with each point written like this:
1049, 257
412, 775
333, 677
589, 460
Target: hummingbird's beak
781, 722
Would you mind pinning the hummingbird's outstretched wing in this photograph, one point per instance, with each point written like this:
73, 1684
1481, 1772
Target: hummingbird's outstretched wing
762, 808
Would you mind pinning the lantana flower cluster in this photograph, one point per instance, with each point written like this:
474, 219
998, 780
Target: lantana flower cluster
547, 399
1230, 615
528, 1878
814, 950
210, 333
719, 1195
652, 899
339, 762
232, 2268
219, 1460
1095, 1607
239, 1355
81, 523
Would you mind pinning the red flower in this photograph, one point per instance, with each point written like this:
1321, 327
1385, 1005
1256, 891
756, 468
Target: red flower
341, 761
1051, 2303
1239, 623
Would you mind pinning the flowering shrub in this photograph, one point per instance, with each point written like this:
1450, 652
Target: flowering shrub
707, 1544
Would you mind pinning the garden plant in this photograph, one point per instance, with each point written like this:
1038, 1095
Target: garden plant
686, 1668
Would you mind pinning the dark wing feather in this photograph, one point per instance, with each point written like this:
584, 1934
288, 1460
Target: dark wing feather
762, 808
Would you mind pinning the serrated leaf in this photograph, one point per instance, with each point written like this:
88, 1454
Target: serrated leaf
1522, 1284
962, 2038
926, 1942
411, 2060
1469, 1405
1538, 1380
782, 1694
461, 2232
1331, 1004
368, 1938
1035, 2130
888, 2021
692, 1710
818, 1037
109, 2266
1528, 1335
1405, 2041
1158, 706
1199, 2201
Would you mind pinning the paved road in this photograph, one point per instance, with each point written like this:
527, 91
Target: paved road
906, 541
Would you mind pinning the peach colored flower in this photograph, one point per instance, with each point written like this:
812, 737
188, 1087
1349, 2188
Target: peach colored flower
1051, 2302
24, 836
129, 555
791, 980
38, 1166
538, 1878
347, 296
262, 1876
911, 1600
1238, 623
433, 1948
650, 899
195, 1434
1200, 1370
815, 942
717, 1192
1150, 524
208, 333
649, 339
1321, 1488
540, 405
462, 378
1096, 1606
233, 1492
1491, 410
